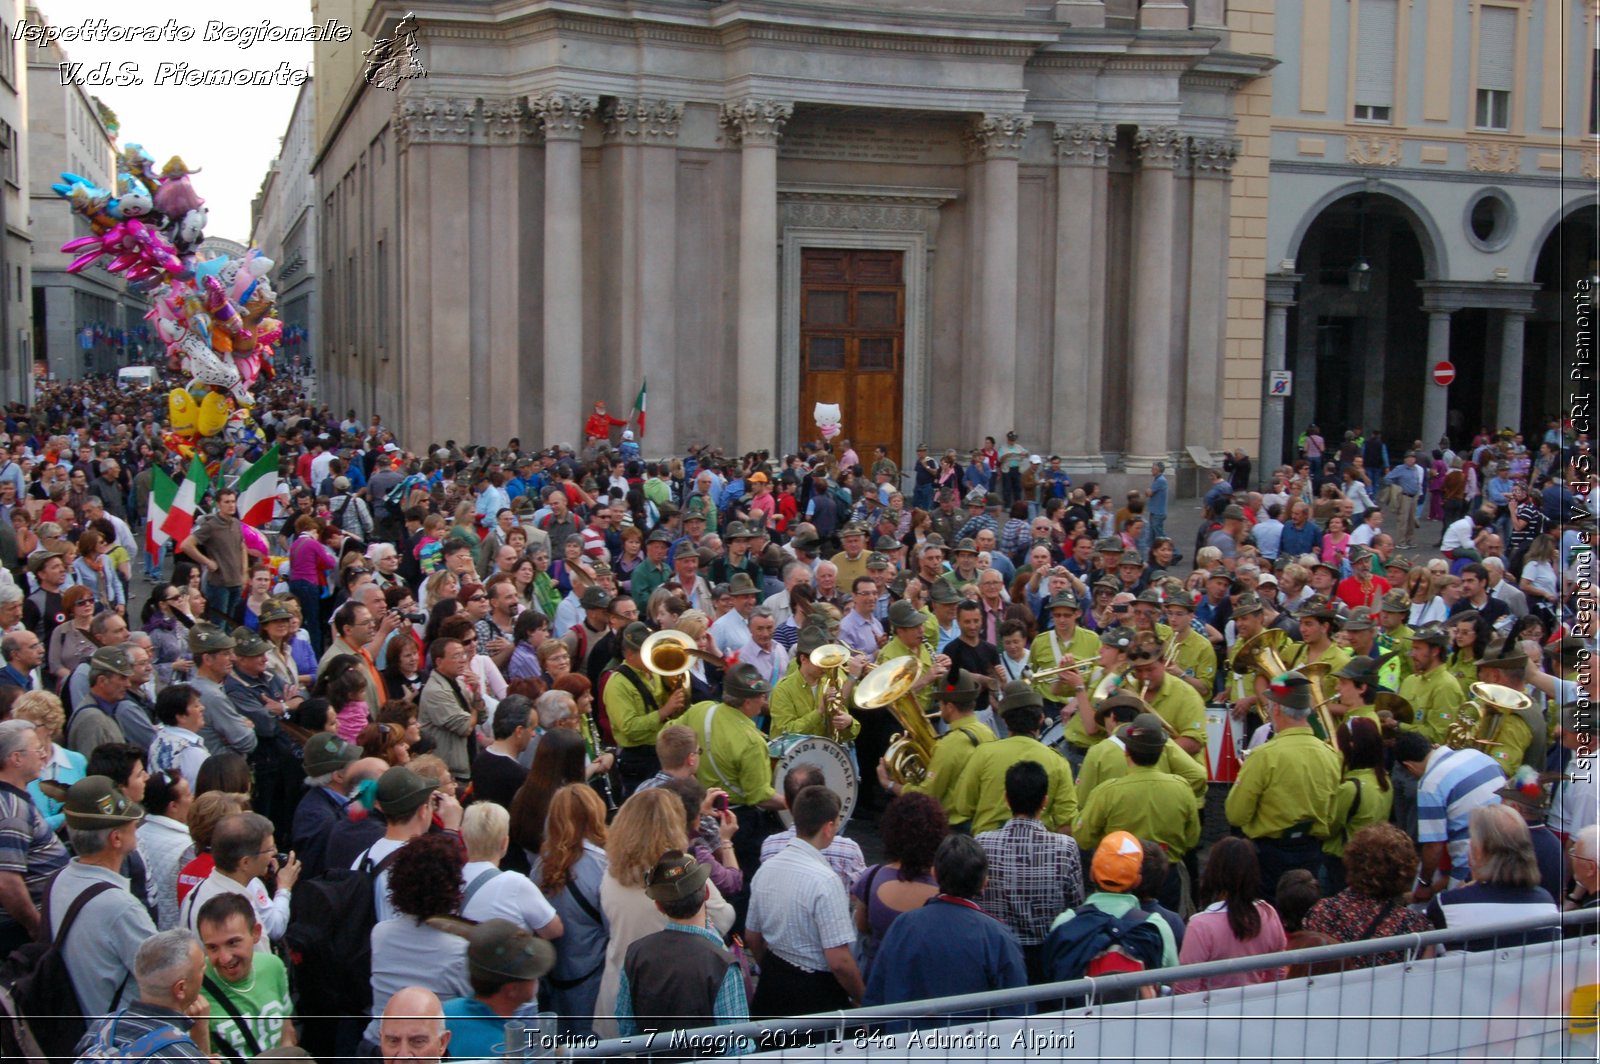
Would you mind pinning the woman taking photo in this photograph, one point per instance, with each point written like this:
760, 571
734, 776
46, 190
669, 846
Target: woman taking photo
1235, 922
402, 671
168, 627
569, 871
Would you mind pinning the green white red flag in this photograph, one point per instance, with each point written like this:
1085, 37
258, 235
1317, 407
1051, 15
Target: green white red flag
258, 489
638, 406
179, 521
162, 492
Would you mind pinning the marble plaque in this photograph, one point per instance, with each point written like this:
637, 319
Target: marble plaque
855, 142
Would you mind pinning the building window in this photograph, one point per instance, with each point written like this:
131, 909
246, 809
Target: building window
1497, 45
1375, 45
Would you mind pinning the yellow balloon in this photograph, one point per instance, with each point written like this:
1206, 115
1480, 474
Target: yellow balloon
181, 410
214, 411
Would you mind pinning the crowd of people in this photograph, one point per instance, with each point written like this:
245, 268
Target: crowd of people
400, 767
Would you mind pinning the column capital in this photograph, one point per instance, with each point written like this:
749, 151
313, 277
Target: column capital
755, 121
1282, 288
510, 121
1084, 144
1159, 147
997, 136
641, 120
562, 115
435, 120
1212, 156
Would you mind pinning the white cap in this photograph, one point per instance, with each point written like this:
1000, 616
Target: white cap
1034, 459
627, 434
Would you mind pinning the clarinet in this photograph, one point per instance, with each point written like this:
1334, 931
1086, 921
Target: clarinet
604, 784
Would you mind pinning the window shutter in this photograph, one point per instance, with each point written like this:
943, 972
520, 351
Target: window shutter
1375, 45
1497, 40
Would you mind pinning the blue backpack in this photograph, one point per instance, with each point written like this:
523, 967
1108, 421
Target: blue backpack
148, 1046
1096, 943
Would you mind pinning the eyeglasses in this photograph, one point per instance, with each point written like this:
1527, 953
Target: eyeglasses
478, 598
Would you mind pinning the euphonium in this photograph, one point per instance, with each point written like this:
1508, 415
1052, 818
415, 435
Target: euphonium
1492, 703
670, 654
889, 687
831, 658
1262, 654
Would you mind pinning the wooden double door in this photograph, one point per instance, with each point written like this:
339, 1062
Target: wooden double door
852, 344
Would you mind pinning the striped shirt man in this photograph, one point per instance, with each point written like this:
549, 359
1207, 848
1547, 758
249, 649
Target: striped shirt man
1454, 783
800, 908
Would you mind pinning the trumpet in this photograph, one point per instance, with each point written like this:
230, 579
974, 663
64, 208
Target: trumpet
889, 686
1045, 679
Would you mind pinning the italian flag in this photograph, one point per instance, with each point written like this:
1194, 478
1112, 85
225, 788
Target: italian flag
638, 405
179, 521
258, 489
162, 493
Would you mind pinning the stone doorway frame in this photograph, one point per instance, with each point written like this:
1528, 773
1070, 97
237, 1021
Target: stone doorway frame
880, 218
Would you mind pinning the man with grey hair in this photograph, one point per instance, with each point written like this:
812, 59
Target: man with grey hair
107, 629
94, 720
169, 970
102, 824
24, 654
794, 574
770, 657
136, 713
1585, 854
1504, 590
29, 851
412, 1027
11, 608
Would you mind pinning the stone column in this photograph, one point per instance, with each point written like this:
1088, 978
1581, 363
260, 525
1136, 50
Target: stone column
1280, 297
1211, 166
644, 132
511, 129
1436, 397
1083, 14
756, 125
1151, 360
1078, 376
562, 117
996, 140
1163, 15
1508, 413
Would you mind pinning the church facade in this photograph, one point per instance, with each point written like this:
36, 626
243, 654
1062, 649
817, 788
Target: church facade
949, 217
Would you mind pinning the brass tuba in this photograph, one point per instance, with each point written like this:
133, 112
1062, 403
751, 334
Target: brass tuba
889, 687
1489, 704
1262, 654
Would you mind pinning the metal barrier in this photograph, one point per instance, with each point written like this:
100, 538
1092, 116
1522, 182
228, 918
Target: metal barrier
1511, 1003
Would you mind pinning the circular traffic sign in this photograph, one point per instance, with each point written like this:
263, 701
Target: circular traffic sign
1443, 372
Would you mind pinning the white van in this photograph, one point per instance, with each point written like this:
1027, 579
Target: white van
137, 376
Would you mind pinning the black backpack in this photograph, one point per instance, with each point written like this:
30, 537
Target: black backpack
1094, 942
330, 937
35, 985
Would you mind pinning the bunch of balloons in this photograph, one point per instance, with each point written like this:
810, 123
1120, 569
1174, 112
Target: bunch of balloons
216, 316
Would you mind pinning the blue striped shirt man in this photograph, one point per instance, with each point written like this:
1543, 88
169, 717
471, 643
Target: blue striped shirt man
1455, 783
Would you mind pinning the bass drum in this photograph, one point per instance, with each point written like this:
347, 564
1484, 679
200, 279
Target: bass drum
1055, 737
838, 774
